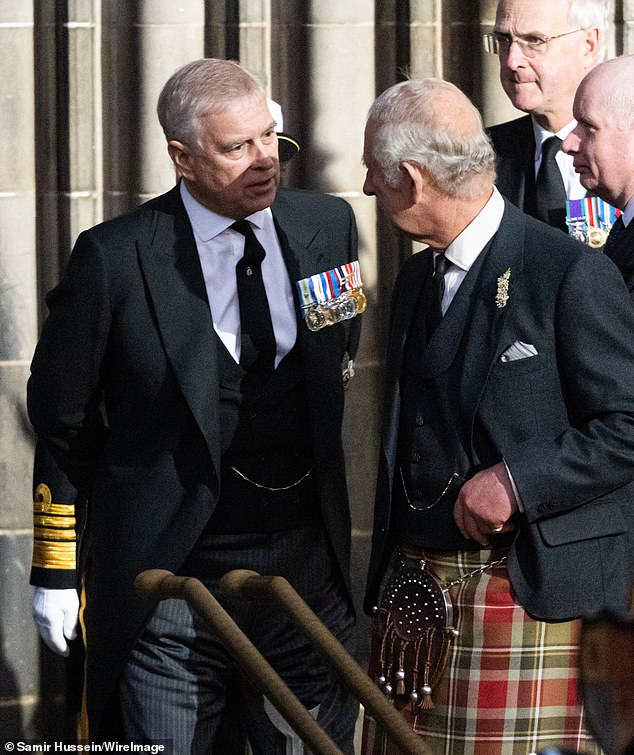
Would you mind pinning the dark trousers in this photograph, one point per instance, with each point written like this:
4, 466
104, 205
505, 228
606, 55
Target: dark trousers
174, 685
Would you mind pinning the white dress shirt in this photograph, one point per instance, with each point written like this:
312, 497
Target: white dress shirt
572, 184
220, 248
465, 249
628, 212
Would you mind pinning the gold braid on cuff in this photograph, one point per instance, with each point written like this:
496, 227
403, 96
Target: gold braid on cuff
54, 536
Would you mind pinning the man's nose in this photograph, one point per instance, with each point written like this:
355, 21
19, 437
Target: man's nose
368, 189
515, 56
570, 144
265, 152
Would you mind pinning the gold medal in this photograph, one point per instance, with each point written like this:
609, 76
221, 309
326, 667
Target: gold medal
360, 300
315, 319
597, 237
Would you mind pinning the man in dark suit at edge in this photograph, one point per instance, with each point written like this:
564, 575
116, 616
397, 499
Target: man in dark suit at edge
545, 48
220, 447
507, 448
602, 148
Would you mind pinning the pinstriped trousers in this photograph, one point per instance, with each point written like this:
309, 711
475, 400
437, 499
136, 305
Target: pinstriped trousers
174, 684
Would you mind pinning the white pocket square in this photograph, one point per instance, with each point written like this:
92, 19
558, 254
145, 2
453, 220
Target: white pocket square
518, 350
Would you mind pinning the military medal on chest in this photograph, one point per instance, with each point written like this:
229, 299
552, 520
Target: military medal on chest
590, 220
332, 296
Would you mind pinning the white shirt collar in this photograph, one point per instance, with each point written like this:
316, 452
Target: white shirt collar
208, 224
541, 133
465, 248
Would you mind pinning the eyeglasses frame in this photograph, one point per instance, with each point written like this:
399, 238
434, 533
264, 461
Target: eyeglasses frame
490, 41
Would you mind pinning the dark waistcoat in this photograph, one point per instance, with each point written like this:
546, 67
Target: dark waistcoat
265, 444
435, 453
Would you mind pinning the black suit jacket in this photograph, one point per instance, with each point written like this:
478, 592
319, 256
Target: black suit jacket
124, 391
514, 146
623, 257
563, 420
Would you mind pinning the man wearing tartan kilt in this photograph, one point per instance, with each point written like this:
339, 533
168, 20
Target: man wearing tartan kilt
507, 449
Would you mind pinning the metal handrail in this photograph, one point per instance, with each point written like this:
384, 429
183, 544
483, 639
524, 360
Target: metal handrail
159, 584
244, 582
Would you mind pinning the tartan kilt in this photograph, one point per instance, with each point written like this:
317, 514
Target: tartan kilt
510, 685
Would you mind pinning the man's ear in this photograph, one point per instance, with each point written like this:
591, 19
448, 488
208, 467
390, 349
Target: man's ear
592, 40
417, 177
181, 157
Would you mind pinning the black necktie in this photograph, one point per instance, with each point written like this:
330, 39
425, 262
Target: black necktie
257, 339
550, 192
434, 306
615, 233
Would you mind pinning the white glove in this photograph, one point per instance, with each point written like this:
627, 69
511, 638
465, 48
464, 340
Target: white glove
56, 613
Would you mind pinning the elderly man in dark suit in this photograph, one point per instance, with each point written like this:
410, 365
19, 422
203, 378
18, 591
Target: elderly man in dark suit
178, 386
506, 464
545, 48
602, 148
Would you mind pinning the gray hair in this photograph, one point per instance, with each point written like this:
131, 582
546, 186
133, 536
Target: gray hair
585, 14
412, 127
197, 89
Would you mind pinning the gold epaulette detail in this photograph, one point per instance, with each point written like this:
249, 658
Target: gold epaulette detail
46, 533
54, 542
50, 555
60, 522
55, 509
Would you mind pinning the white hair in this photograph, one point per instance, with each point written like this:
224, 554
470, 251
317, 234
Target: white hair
411, 127
198, 88
585, 14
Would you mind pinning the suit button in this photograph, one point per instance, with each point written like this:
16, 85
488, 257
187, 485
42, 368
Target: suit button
416, 457
383, 530
419, 420
418, 493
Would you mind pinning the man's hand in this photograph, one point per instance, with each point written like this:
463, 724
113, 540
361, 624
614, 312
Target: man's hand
485, 504
56, 613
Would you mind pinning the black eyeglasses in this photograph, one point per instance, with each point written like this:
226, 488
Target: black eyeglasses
531, 46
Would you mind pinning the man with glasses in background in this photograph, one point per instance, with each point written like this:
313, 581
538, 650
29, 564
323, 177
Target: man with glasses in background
545, 47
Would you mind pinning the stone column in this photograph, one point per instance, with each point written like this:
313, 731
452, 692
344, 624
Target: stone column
625, 29
19, 674
143, 44
493, 103
426, 38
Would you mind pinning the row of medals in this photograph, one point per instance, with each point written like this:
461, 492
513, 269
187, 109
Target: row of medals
593, 236
344, 307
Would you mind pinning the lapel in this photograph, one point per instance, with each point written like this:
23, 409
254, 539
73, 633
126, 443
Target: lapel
443, 346
414, 279
306, 254
296, 239
171, 267
482, 343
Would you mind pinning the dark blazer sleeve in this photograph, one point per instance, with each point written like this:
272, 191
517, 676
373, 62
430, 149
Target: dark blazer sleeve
58, 517
594, 352
64, 391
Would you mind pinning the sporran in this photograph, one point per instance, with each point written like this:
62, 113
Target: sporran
412, 635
